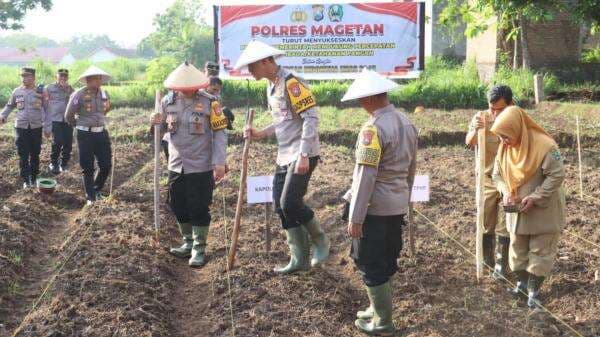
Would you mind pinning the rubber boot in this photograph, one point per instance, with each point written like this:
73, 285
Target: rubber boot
533, 291
320, 242
488, 250
297, 239
381, 300
501, 268
185, 250
199, 234
520, 290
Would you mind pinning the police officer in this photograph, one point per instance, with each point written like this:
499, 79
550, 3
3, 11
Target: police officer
56, 97
211, 69
295, 126
86, 110
194, 125
381, 185
30, 122
499, 97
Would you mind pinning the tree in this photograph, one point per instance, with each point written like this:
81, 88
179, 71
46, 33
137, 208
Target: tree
22, 40
181, 32
83, 45
512, 16
13, 11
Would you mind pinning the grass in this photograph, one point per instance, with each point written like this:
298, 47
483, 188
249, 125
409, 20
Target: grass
15, 257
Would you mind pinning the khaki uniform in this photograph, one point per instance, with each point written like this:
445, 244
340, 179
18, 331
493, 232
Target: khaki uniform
295, 125
197, 143
534, 235
87, 111
56, 98
381, 186
30, 120
493, 219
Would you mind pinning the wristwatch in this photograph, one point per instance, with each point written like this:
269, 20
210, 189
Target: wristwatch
304, 155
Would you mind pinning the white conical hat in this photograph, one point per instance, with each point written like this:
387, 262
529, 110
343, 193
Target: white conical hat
256, 50
94, 71
186, 77
368, 83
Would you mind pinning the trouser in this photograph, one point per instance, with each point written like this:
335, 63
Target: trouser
533, 253
190, 195
288, 194
62, 143
94, 146
29, 145
492, 212
376, 253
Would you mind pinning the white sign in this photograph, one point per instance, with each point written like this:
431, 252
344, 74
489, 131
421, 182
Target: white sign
259, 189
420, 191
327, 41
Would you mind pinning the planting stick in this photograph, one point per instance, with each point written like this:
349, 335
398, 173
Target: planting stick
480, 197
579, 155
241, 191
268, 227
156, 165
411, 239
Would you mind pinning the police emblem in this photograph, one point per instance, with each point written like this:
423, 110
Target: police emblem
294, 89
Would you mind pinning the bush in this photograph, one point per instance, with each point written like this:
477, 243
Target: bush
521, 82
591, 55
158, 69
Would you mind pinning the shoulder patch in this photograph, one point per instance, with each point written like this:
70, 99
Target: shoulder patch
300, 96
218, 121
368, 150
556, 154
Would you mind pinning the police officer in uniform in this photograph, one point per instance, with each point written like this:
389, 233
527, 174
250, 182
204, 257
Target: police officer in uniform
86, 110
499, 98
195, 129
31, 120
56, 97
295, 126
381, 185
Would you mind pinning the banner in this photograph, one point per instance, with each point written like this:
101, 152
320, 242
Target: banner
326, 41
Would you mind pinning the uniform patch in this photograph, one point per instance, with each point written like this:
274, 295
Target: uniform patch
556, 154
368, 151
218, 121
300, 96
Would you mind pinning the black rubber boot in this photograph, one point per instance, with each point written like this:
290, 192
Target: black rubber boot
520, 291
501, 268
488, 250
533, 291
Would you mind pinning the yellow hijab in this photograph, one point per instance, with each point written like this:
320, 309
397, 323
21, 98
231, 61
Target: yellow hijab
519, 163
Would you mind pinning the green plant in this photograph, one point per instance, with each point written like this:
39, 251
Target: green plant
15, 257
591, 55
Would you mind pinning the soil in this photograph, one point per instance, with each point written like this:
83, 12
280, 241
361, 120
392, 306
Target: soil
119, 280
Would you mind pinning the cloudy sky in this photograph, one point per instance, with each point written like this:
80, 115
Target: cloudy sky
125, 21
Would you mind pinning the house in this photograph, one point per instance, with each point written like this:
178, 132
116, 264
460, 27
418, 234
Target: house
108, 54
21, 57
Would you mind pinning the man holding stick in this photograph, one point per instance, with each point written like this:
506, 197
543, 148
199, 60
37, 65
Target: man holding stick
195, 129
295, 126
386, 161
499, 97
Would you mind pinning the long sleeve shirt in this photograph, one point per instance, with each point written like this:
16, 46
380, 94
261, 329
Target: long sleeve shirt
30, 109
386, 161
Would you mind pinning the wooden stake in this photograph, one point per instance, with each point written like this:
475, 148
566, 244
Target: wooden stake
241, 192
480, 196
411, 239
538, 88
268, 227
157, 165
579, 156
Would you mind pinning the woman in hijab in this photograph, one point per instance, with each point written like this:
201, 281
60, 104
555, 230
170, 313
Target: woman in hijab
529, 173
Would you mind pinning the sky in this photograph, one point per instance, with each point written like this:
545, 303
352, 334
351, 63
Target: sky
125, 21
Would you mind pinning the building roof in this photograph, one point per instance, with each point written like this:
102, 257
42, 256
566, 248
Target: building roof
16, 55
127, 53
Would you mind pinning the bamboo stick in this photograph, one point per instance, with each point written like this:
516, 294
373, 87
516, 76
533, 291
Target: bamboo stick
240, 199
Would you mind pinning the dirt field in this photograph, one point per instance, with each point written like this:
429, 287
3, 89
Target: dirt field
119, 280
